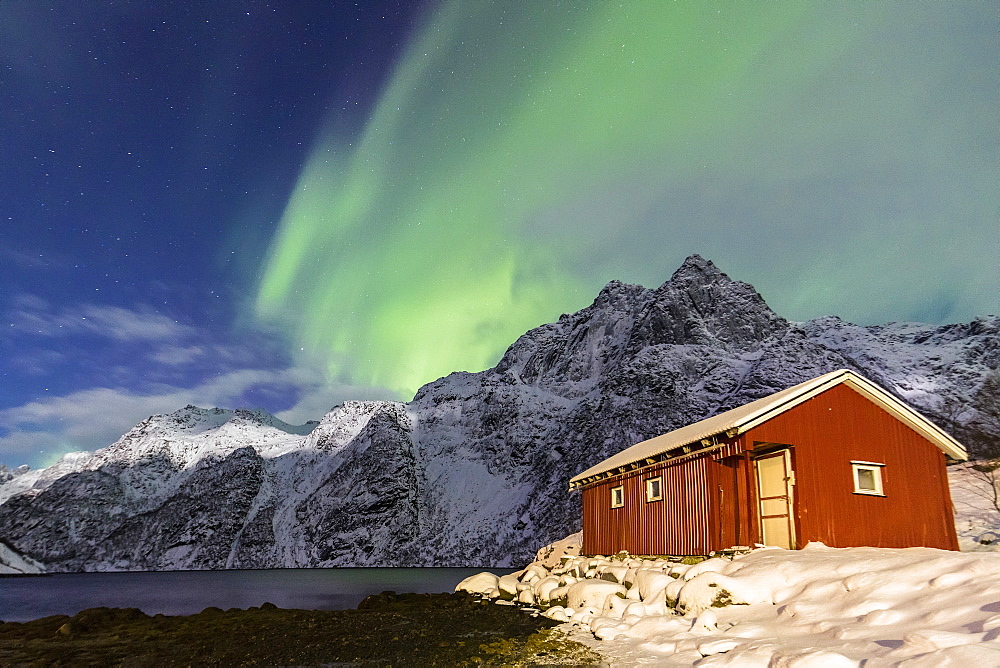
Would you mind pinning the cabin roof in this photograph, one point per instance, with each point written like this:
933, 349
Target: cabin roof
748, 416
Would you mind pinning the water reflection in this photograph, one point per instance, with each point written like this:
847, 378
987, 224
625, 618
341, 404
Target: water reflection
188, 592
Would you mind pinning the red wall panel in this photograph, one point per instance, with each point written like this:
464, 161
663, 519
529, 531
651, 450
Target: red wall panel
830, 430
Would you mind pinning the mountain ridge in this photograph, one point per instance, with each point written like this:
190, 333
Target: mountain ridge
473, 470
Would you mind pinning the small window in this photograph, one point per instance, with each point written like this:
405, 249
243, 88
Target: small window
867, 478
654, 489
617, 496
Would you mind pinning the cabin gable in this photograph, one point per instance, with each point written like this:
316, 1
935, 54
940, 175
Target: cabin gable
840, 426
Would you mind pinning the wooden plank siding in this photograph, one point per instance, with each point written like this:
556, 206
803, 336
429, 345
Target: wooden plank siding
837, 427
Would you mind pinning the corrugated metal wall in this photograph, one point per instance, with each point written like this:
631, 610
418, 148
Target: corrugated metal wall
677, 525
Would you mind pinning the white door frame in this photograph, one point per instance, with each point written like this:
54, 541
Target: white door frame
779, 501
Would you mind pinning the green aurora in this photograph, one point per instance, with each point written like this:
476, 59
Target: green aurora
523, 154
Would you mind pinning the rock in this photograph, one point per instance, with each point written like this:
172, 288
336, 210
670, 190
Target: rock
507, 584
480, 583
592, 593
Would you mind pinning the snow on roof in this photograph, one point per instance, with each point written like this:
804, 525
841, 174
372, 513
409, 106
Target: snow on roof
744, 418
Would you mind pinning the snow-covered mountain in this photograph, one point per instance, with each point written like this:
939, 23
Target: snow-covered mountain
473, 471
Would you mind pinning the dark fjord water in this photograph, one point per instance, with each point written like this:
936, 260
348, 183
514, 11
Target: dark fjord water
188, 592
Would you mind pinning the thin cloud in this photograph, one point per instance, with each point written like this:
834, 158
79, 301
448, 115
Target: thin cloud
37, 362
33, 260
40, 431
171, 355
34, 315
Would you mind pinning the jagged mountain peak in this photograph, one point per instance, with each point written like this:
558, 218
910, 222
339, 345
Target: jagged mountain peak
9, 474
190, 434
195, 419
261, 417
699, 305
346, 420
191, 417
695, 267
616, 292
699, 278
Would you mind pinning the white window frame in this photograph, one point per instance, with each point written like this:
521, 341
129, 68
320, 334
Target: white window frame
876, 469
618, 494
649, 489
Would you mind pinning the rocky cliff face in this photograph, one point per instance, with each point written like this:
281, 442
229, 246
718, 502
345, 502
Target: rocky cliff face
473, 471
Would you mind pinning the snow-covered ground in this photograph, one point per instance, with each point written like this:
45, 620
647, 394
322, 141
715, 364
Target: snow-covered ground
818, 606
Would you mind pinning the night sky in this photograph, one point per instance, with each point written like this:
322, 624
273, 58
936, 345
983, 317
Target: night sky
285, 205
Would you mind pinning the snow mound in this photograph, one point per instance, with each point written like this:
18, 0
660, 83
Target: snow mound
550, 556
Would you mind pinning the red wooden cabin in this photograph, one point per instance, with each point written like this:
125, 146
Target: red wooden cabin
836, 459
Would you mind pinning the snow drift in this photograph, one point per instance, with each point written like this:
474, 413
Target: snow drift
818, 606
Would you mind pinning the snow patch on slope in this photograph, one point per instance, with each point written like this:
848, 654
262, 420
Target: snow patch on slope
13, 562
35, 480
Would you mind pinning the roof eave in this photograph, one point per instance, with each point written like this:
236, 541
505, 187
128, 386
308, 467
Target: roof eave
874, 393
894, 406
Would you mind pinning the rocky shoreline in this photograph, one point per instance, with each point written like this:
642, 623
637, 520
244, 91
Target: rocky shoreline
387, 629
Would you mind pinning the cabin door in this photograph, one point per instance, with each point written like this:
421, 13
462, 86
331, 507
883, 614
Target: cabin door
774, 490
